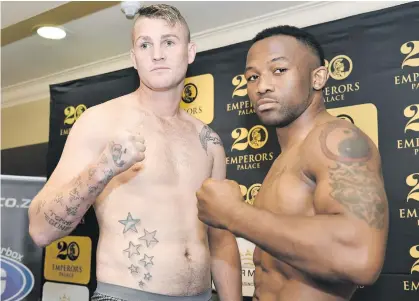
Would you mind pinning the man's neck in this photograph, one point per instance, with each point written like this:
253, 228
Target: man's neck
160, 103
298, 130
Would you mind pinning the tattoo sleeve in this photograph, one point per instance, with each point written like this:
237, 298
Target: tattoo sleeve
63, 209
353, 183
206, 136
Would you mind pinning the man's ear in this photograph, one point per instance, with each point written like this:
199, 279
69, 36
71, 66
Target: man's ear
191, 52
320, 77
132, 55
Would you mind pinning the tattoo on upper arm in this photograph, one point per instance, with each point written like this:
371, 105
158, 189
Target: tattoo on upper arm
206, 136
352, 183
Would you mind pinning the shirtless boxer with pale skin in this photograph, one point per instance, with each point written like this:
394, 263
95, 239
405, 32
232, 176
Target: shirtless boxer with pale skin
139, 160
320, 219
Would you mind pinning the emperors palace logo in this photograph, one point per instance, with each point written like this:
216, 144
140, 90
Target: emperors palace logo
198, 97
240, 104
411, 129
412, 181
68, 260
411, 60
413, 285
254, 138
249, 194
71, 114
340, 68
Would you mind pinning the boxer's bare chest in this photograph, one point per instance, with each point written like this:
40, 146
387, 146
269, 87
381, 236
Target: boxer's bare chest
174, 155
284, 191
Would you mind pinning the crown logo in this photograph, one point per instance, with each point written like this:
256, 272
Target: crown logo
64, 298
247, 259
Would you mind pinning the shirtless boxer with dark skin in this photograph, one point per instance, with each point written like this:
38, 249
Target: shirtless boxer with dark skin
320, 219
139, 160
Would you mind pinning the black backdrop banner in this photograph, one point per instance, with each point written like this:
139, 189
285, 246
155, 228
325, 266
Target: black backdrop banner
373, 60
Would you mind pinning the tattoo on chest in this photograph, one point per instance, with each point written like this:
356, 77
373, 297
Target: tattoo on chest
206, 136
351, 182
139, 255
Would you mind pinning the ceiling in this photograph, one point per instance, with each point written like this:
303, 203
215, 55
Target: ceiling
98, 35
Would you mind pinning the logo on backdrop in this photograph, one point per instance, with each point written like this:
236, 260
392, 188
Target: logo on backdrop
198, 97
64, 292
241, 103
364, 116
412, 181
249, 194
411, 129
71, 114
410, 50
243, 139
413, 285
17, 280
68, 260
340, 68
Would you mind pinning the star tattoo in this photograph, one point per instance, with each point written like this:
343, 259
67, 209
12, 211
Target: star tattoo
132, 249
149, 237
141, 283
134, 269
147, 260
129, 223
147, 276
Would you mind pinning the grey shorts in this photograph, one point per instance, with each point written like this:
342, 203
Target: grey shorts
111, 292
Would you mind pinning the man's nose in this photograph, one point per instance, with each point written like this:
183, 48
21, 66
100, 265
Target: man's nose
265, 85
158, 54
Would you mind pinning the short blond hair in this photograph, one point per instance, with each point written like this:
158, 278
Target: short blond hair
164, 12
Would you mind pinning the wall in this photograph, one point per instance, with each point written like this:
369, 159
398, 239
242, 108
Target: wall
25, 112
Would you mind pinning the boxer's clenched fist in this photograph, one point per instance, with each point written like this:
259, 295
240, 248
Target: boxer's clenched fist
217, 200
125, 150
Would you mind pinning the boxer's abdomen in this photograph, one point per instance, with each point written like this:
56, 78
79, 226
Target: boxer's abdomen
154, 242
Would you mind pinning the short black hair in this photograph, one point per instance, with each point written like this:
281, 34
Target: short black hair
301, 35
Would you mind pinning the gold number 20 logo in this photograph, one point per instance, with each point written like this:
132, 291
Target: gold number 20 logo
413, 181
250, 194
412, 112
256, 137
240, 82
410, 48
414, 252
73, 113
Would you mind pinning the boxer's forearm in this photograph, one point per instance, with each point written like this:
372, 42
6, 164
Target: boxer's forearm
225, 265
55, 212
328, 247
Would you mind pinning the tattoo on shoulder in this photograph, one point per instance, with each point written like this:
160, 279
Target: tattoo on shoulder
352, 183
207, 135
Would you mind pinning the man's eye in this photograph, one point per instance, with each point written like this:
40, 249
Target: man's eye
144, 45
251, 78
169, 43
281, 70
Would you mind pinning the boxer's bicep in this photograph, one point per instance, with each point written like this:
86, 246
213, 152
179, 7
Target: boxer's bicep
349, 184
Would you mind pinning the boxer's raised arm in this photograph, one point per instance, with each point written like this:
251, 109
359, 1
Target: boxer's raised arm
87, 164
225, 256
346, 240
